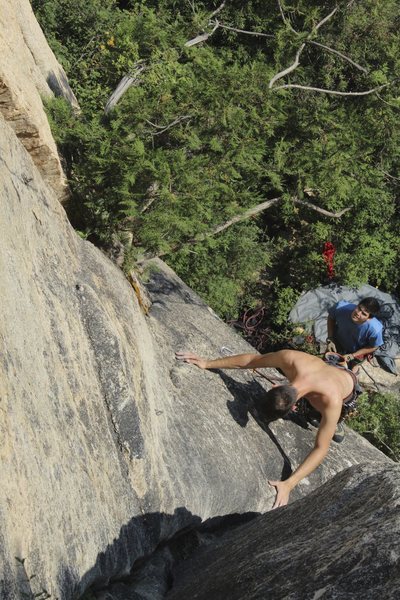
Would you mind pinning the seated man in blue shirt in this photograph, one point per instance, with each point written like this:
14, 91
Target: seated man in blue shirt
353, 330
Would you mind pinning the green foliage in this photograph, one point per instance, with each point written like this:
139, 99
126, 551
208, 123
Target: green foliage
200, 138
224, 269
283, 303
378, 420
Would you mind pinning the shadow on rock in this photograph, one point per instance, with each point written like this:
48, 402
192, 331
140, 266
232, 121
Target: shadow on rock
247, 399
139, 563
161, 289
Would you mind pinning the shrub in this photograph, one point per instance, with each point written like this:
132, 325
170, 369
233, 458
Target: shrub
377, 420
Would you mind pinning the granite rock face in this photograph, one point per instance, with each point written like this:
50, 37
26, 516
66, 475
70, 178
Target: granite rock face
28, 72
341, 542
373, 377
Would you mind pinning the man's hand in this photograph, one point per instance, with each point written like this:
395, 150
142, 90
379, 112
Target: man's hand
192, 359
348, 357
330, 345
283, 490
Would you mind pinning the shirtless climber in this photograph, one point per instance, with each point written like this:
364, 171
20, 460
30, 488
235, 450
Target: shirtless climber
327, 389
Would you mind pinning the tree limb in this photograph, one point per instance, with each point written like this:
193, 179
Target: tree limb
257, 33
390, 176
388, 103
203, 37
325, 19
218, 10
248, 213
251, 212
333, 92
132, 79
152, 193
378, 437
126, 82
289, 69
338, 54
299, 51
313, 42
320, 210
166, 127
285, 20
192, 6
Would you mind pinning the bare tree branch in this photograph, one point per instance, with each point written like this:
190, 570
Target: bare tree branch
84, 50
299, 51
285, 20
152, 193
133, 79
333, 92
325, 19
289, 69
257, 33
388, 103
166, 127
338, 54
251, 212
203, 37
191, 4
247, 214
126, 82
218, 10
378, 437
313, 42
390, 176
320, 210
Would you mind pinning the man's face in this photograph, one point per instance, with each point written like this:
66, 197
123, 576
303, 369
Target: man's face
360, 315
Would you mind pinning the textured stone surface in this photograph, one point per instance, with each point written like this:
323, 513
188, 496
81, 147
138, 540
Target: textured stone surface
373, 377
341, 542
29, 71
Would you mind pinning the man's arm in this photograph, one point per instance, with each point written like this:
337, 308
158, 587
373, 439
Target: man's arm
330, 344
360, 353
237, 361
331, 326
324, 437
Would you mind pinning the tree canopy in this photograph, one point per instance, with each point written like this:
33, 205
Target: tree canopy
228, 106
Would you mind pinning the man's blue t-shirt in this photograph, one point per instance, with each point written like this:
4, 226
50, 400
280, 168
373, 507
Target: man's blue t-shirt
350, 336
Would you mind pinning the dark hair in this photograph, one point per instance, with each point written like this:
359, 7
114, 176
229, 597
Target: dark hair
277, 402
371, 305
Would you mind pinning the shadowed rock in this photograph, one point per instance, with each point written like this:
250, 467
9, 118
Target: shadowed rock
340, 542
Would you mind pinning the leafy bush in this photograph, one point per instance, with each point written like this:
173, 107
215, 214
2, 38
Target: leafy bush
378, 418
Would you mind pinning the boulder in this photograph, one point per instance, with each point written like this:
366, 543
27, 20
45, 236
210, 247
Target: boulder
28, 72
340, 542
373, 377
